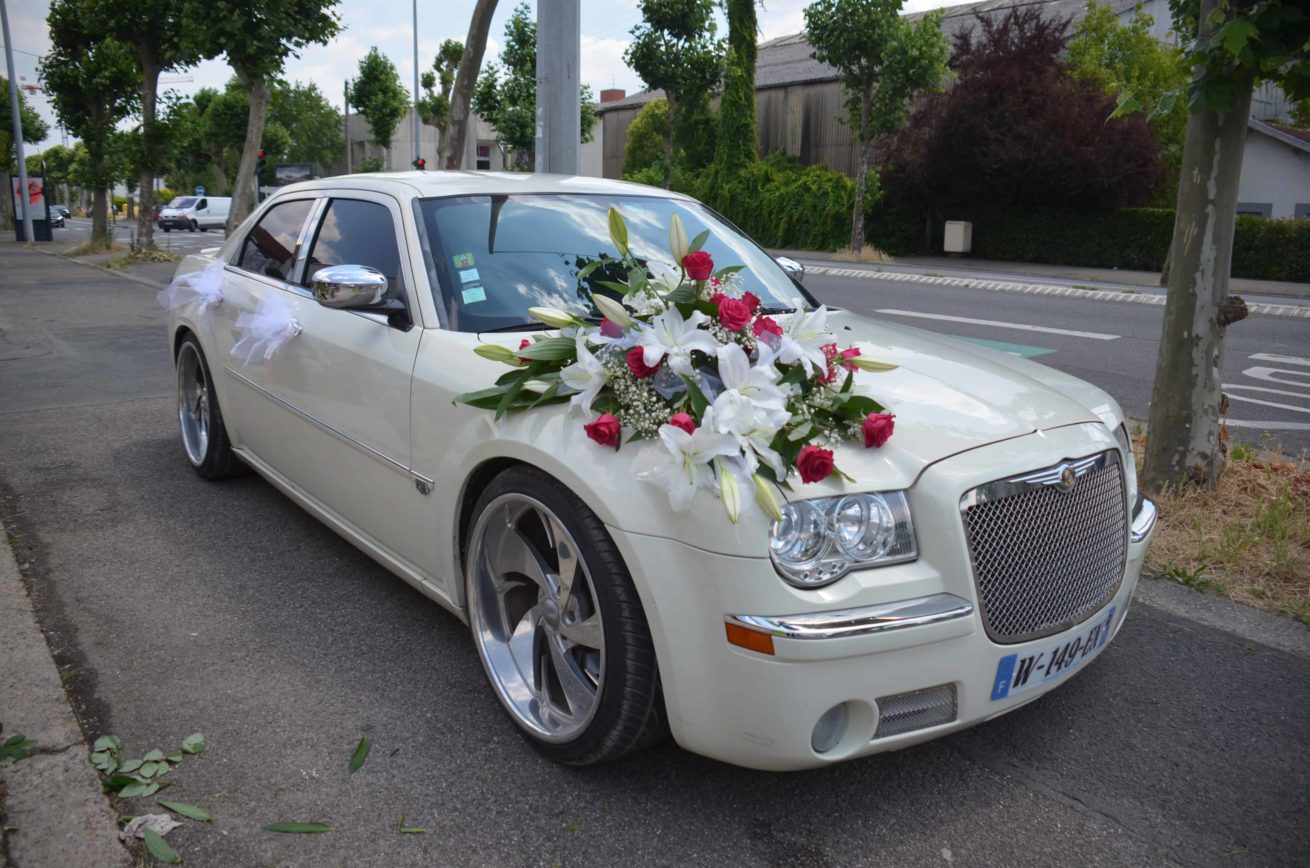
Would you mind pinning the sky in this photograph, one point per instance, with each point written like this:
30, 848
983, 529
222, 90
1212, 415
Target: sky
387, 24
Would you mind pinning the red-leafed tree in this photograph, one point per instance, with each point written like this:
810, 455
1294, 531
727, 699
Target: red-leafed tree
1018, 131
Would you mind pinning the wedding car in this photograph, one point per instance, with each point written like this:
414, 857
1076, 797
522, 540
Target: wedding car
667, 490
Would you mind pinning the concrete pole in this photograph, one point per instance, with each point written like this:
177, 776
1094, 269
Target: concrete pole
345, 119
559, 54
418, 144
18, 127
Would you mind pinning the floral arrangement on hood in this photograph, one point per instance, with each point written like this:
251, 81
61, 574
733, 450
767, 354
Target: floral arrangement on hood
730, 396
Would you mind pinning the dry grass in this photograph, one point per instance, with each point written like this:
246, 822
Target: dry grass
91, 248
1249, 540
868, 254
148, 254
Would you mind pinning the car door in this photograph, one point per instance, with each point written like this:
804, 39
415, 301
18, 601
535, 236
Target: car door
329, 409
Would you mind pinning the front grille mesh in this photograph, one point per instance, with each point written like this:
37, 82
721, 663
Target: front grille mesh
918, 709
1043, 559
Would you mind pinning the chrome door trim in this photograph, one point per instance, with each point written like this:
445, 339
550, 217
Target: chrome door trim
302, 242
382, 459
863, 621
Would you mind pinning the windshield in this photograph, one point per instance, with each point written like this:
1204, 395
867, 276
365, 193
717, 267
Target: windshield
182, 202
496, 256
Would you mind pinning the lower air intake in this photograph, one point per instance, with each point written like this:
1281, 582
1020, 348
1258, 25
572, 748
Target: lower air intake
918, 709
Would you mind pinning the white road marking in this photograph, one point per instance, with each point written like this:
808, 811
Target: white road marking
1268, 391
1292, 407
1269, 426
1097, 336
1284, 360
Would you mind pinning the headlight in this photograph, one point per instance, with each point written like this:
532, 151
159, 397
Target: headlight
1130, 465
819, 541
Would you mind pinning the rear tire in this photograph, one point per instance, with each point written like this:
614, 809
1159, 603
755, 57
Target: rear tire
204, 436
558, 624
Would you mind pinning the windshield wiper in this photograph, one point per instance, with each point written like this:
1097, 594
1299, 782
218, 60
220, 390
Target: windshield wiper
517, 327
773, 310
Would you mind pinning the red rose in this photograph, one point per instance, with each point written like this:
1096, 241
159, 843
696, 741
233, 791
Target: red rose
878, 429
849, 353
604, 430
766, 325
752, 301
610, 329
637, 364
683, 421
523, 345
734, 313
814, 463
699, 265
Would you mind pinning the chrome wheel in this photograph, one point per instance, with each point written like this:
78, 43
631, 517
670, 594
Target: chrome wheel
535, 617
193, 403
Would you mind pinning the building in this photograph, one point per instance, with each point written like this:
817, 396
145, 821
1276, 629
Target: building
1275, 171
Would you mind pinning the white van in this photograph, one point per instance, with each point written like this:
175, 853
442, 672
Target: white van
195, 212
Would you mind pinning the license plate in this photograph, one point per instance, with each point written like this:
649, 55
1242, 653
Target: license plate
1016, 673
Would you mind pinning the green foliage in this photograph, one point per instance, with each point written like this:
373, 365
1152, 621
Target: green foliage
1300, 114
379, 95
1272, 249
434, 104
312, 125
644, 147
693, 139
506, 93
257, 37
132, 778
35, 128
738, 144
370, 164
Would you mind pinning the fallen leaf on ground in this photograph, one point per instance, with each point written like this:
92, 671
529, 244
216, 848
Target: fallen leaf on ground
160, 824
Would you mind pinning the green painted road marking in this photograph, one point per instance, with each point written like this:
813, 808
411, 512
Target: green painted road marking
1017, 349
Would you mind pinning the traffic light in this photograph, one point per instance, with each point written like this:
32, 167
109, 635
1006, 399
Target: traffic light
420, 164
259, 165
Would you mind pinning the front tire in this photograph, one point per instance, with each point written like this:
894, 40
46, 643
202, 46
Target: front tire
558, 624
204, 436
193, 227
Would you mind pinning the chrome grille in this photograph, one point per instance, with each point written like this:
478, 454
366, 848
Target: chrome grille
1046, 556
918, 709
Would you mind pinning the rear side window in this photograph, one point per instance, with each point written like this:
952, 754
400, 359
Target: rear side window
357, 233
270, 248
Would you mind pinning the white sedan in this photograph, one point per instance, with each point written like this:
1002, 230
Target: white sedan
323, 346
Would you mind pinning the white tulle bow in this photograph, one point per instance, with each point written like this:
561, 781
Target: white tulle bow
204, 286
271, 325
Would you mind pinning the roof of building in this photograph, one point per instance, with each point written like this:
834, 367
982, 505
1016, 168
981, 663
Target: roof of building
1297, 138
787, 59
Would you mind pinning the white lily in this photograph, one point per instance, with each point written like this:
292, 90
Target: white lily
752, 426
612, 310
683, 464
666, 277
671, 336
803, 338
757, 383
587, 376
677, 238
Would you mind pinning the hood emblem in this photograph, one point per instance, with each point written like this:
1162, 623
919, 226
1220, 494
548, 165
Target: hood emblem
1066, 481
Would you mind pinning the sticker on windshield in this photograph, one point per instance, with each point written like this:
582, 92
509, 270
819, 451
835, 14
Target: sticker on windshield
470, 276
463, 260
474, 293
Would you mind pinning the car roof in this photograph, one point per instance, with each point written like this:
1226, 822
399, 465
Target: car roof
465, 183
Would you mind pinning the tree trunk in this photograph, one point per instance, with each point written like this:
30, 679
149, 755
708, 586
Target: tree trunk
243, 191
1184, 443
861, 176
217, 158
100, 217
668, 143
470, 63
145, 222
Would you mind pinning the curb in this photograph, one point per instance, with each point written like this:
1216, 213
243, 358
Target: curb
1032, 288
55, 812
1246, 622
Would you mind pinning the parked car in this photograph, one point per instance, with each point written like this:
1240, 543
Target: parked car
603, 618
194, 213
62, 209
56, 218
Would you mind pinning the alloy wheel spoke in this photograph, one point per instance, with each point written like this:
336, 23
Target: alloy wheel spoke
577, 690
510, 554
586, 633
568, 561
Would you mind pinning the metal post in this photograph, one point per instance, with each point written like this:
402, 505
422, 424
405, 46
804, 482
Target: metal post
18, 127
559, 54
345, 119
418, 147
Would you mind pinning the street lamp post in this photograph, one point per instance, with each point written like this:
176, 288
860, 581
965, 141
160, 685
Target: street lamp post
418, 148
559, 53
18, 127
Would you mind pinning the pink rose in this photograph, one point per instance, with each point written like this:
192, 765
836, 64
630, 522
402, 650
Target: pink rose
766, 325
683, 421
752, 300
734, 313
610, 329
523, 345
849, 353
637, 364
814, 463
878, 429
604, 430
699, 265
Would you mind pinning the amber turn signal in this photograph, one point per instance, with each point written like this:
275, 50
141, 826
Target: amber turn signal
751, 640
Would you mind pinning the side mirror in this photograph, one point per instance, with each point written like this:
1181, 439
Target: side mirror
794, 269
348, 287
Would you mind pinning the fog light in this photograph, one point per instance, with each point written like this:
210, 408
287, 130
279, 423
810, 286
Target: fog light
830, 729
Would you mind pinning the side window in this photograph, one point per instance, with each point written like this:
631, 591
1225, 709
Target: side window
202, 204
357, 233
270, 248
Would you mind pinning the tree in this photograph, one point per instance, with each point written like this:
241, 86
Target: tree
257, 37
738, 144
674, 50
437, 83
693, 140
1125, 60
311, 123
506, 94
1299, 116
58, 169
1233, 47
35, 128
1017, 132
93, 83
466, 76
379, 96
884, 61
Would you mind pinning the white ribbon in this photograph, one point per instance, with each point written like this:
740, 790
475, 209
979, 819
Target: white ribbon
271, 325
204, 286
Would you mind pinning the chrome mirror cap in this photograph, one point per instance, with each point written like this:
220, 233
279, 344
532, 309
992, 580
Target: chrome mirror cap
792, 267
348, 286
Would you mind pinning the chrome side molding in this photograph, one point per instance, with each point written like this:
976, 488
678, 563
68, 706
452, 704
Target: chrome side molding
863, 621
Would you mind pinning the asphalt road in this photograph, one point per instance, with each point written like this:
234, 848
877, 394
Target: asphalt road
176, 605
78, 229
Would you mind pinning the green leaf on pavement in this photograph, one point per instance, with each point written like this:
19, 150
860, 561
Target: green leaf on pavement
159, 848
154, 756
132, 790
186, 810
130, 766
107, 742
298, 828
361, 754
193, 743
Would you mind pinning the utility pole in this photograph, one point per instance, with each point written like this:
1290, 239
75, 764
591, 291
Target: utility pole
559, 109
18, 128
418, 146
345, 120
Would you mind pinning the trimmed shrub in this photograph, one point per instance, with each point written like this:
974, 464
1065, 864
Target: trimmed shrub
1272, 249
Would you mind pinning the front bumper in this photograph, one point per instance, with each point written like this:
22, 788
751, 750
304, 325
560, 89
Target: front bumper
915, 627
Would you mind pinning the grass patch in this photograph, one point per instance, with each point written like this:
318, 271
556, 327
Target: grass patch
867, 254
148, 254
1248, 540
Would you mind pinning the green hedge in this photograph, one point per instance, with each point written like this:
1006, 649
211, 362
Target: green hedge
1133, 239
